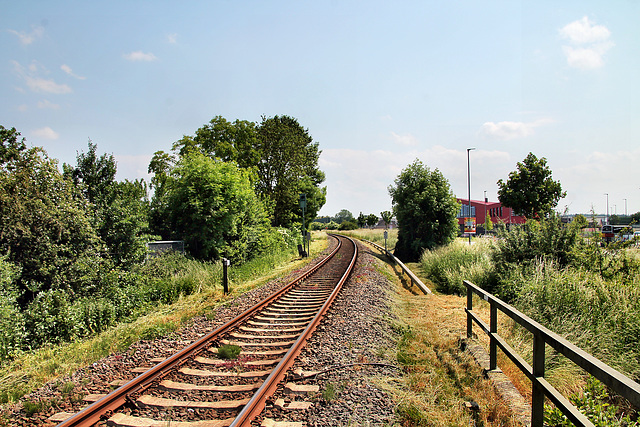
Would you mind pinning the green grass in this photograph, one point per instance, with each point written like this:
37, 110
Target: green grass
374, 235
447, 266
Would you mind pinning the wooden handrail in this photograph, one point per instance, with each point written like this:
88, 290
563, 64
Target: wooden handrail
619, 383
414, 279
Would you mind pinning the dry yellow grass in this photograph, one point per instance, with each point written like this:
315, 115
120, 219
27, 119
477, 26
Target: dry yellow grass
440, 378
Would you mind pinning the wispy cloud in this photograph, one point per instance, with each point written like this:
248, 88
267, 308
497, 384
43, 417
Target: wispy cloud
172, 38
588, 43
140, 56
48, 104
69, 71
31, 76
30, 37
511, 130
46, 133
407, 140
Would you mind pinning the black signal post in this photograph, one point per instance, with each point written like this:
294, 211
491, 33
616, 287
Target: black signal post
303, 205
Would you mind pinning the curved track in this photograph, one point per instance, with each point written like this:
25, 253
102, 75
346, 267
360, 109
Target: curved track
196, 386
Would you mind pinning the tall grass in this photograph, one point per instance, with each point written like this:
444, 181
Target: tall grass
600, 316
374, 235
447, 266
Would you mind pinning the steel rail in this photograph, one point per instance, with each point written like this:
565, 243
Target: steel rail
112, 401
257, 403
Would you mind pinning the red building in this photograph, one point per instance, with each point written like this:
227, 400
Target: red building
480, 209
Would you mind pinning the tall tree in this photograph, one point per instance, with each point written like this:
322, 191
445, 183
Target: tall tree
11, 147
386, 217
425, 208
120, 209
237, 142
342, 216
530, 190
279, 150
372, 219
45, 226
288, 166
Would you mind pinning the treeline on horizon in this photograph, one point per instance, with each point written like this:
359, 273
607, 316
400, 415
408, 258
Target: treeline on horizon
73, 241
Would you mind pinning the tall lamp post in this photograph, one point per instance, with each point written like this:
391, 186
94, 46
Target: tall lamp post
625, 207
469, 185
607, 194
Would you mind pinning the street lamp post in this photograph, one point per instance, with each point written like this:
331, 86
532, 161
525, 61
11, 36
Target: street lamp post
607, 194
625, 207
469, 185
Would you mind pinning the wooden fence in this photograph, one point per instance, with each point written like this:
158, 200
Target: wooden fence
542, 336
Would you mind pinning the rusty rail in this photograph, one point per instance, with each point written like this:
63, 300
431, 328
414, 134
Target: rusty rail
92, 413
257, 402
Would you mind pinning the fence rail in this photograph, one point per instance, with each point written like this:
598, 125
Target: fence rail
542, 336
414, 279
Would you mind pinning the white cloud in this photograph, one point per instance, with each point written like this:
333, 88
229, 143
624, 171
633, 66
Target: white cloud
140, 56
511, 130
69, 71
28, 38
583, 31
407, 140
172, 38
31, 76
38, 84
133, 167
23, 107
45, 133
589, 43
48, 104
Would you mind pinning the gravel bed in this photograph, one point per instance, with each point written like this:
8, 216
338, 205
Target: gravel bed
356, 327
356, 331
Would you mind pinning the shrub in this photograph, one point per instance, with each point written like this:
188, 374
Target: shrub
348, 225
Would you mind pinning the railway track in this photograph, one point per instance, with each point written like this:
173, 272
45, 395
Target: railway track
199, 387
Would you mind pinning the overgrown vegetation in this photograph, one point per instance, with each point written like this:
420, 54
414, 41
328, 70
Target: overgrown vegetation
73, 242
578, 288
27, 371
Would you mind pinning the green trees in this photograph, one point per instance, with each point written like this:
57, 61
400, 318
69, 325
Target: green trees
425, 208
279, 151
386, 217
211, 205
530, 191
45, 228
288, 166
120, 209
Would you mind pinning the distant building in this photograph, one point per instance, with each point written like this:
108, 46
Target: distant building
479, 211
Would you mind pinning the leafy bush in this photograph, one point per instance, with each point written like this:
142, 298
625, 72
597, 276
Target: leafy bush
522, 245
596, 404
348, 225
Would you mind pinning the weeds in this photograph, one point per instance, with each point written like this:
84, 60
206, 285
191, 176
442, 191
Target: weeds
229, 351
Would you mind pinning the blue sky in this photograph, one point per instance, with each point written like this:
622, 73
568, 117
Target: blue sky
378, 84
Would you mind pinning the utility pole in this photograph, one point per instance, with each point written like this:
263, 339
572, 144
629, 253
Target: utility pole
469, 184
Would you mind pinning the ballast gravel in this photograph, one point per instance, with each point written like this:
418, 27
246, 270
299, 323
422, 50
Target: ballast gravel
348, 350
